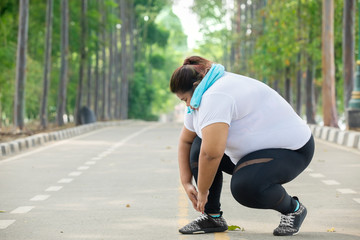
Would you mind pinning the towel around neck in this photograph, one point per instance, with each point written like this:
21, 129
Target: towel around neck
216, 71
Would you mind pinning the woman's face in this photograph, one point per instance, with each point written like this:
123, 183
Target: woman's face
186, 97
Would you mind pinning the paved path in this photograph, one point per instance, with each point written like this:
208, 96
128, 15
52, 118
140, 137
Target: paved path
122, 183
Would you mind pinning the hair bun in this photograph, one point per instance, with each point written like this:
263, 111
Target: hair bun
193, 60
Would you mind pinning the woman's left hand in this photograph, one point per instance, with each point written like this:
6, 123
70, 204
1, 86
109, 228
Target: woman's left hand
201, 201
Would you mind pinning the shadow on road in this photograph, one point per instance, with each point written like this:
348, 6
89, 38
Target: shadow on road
302, 235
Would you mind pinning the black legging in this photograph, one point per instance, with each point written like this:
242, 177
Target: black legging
258, 177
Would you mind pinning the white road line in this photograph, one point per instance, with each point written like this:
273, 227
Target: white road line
345, 191
308, 170
53, 189
5, 223
357, 200
316, 175
24, 209
119, 144
83, 168
331, 182
74, 174
96, 158
66, 180
40, 198
90, 162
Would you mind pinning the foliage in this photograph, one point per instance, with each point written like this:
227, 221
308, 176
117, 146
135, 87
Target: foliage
280, 30
148, 95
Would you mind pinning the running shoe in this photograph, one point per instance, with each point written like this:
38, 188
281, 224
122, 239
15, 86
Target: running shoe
290, 223
205, 224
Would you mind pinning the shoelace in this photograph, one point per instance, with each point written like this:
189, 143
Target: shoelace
287, 220
201, 217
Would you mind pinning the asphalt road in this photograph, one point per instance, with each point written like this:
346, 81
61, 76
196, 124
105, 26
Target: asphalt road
122, 183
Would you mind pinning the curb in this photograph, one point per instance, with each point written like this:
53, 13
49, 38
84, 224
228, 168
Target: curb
349, 139
19, 145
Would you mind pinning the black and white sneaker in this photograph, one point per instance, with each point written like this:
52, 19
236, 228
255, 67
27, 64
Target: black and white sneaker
205, 224
290, 223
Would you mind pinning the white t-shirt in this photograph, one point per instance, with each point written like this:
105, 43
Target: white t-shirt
258, 117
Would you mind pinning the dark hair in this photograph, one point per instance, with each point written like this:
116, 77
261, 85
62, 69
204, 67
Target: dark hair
192, 71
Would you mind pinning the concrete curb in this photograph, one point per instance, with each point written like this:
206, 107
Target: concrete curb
349, 139
19, 145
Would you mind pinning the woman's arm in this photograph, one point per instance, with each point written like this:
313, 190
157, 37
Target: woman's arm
212, 150
186, 139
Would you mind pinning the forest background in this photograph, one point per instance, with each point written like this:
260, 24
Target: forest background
116, 56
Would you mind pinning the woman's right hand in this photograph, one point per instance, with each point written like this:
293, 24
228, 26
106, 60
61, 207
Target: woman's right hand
192, 194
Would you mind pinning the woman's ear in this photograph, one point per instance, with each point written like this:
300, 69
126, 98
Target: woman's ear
195, 84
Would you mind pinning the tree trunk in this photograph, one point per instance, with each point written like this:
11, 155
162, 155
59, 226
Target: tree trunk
124, 79
116, 77
111, 72
89, 79
97, 80
328, 65
348, 49
299, 100
47, 64
19, 99
64, 61
310, 92
132, 39
288, 95
104, 80
237, 47
82, 62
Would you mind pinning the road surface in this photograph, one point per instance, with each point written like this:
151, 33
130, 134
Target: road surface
122, 183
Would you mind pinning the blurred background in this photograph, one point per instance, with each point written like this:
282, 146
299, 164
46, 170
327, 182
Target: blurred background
112, 59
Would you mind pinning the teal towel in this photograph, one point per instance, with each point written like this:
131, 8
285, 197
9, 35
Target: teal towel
216, 71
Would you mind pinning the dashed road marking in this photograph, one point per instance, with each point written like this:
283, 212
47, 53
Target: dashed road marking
308, 170
183, 211
221, 236
5, 223
96, 158
331, 182
74, 174
83, 168
345, 191
23, 209
357, 200
66, 180
53, 188
316, 175
90, 162
40, 198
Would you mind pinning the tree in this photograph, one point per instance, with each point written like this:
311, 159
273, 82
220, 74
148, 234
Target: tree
47, 64
19, 100
328, 65
124, 78
82, 61
64, 62
348, 49
104, 80
299, 70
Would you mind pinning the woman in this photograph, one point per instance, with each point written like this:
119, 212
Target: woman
240, 126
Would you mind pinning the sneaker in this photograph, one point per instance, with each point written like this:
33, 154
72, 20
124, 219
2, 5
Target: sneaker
205, 224
290, 223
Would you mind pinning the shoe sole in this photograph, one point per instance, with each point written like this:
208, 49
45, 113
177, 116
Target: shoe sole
206, 230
